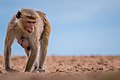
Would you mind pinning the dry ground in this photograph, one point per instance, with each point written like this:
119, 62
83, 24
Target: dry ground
67, 68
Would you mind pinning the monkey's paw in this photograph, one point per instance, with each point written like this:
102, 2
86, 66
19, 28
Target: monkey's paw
10, 70
39, 70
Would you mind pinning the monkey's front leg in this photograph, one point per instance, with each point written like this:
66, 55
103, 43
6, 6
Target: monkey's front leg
24, 42
7, 49
31, 59
7, 58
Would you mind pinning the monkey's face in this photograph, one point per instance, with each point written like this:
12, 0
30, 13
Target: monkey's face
29, 26
28, 21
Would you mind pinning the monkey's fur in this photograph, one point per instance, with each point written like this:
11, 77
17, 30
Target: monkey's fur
37, 35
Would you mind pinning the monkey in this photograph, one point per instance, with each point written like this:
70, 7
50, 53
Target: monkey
32, 30
24, 42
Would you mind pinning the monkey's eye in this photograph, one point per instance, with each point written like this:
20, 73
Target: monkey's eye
22, 40
29, 22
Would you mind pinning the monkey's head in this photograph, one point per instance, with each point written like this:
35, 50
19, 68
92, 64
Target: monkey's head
27, 19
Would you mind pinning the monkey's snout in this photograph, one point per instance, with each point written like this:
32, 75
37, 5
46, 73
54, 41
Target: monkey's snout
31, 29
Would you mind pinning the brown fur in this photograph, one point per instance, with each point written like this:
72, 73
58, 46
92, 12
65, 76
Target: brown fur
37, 39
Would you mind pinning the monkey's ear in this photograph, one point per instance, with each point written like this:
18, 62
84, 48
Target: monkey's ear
18, 15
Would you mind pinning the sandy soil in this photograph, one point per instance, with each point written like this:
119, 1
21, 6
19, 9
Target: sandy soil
67, 68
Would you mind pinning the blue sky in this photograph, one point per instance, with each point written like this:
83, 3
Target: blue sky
79, 27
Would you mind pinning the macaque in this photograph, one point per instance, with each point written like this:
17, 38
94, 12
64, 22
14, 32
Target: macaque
24, 42
32, 30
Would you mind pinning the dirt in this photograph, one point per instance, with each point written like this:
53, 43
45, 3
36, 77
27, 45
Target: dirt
66, 68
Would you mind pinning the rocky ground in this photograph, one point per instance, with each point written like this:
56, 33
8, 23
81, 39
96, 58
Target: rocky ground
67, 68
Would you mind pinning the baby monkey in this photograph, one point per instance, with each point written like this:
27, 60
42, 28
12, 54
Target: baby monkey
24, 42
